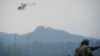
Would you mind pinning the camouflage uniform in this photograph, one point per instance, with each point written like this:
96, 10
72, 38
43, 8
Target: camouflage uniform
85, 49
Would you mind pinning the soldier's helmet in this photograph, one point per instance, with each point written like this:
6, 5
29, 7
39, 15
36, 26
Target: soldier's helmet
85, 42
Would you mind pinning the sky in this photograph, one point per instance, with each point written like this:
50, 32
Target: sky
74, 16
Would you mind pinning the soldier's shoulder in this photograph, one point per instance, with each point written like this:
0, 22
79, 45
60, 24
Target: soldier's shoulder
86, 46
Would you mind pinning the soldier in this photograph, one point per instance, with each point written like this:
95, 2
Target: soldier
85, 49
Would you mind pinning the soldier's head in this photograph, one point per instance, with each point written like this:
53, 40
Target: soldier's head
85, 42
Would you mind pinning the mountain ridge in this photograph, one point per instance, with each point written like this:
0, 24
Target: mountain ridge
48, 34
42, 42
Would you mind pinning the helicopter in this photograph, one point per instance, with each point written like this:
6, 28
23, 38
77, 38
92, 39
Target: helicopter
23, 5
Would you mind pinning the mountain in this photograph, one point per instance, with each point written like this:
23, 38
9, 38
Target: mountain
43, 34
44, 41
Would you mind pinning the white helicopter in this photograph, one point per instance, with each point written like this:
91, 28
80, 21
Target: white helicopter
23, 5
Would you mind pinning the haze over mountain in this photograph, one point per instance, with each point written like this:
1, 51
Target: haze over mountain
75, 16
44, 41
47, 34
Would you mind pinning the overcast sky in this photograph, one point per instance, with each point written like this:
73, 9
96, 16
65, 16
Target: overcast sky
74, 16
